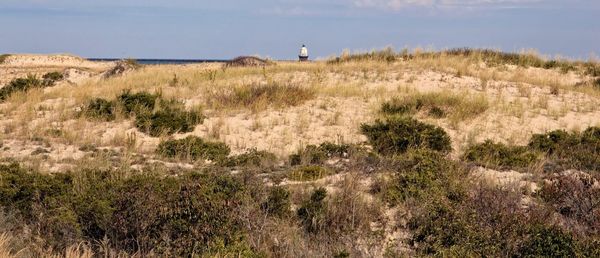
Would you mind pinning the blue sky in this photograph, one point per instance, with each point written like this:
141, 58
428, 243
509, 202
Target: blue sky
229, 28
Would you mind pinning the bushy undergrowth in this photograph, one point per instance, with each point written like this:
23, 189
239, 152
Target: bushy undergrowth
168, 121
171, 216
100, 109
28, 83
258, 97
137, 103
437, 105
153, 114
314, 155
422, 173
500, 156
397, 135
253, 158
193, 148
561, 151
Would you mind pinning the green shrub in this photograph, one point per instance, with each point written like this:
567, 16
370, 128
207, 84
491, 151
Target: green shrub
252, 158
397, 135
51, 78
168, 121
570, 150
420, 174
278, 203
551, 141
20, 85
547, 241
138, 103
500, 156
313, 154
193, 148
308, 173
312, 213
100, 109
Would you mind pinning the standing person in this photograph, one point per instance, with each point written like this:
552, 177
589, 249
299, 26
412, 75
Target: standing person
303, 53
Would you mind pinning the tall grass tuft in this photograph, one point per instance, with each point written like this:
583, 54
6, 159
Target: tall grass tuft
259, 97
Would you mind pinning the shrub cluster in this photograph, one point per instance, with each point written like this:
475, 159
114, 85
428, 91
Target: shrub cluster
29, 82
153, 114
170, 216
500, 156
422, 173
314, 155
253, 158
562, 151
193, 148
397, 135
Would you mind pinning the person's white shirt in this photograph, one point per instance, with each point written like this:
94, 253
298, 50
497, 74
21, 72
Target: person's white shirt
303, 51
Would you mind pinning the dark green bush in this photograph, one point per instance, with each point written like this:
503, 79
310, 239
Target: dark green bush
168, 121
100, 109
570, 150
312, 213
551, 141
397, 135
420, 174
547, 241
252, 158
51, 78
500, 156
138, 103
20, 84
193, 148
278, 203
313, 154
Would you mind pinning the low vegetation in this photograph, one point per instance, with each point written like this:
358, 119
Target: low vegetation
501, 157
397, 135
3, 58
488, 56
193, 148
257, 97
437, 105
559, 151
308, 173
28, 83
153, 114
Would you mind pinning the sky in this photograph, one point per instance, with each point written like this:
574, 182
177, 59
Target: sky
228, 28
